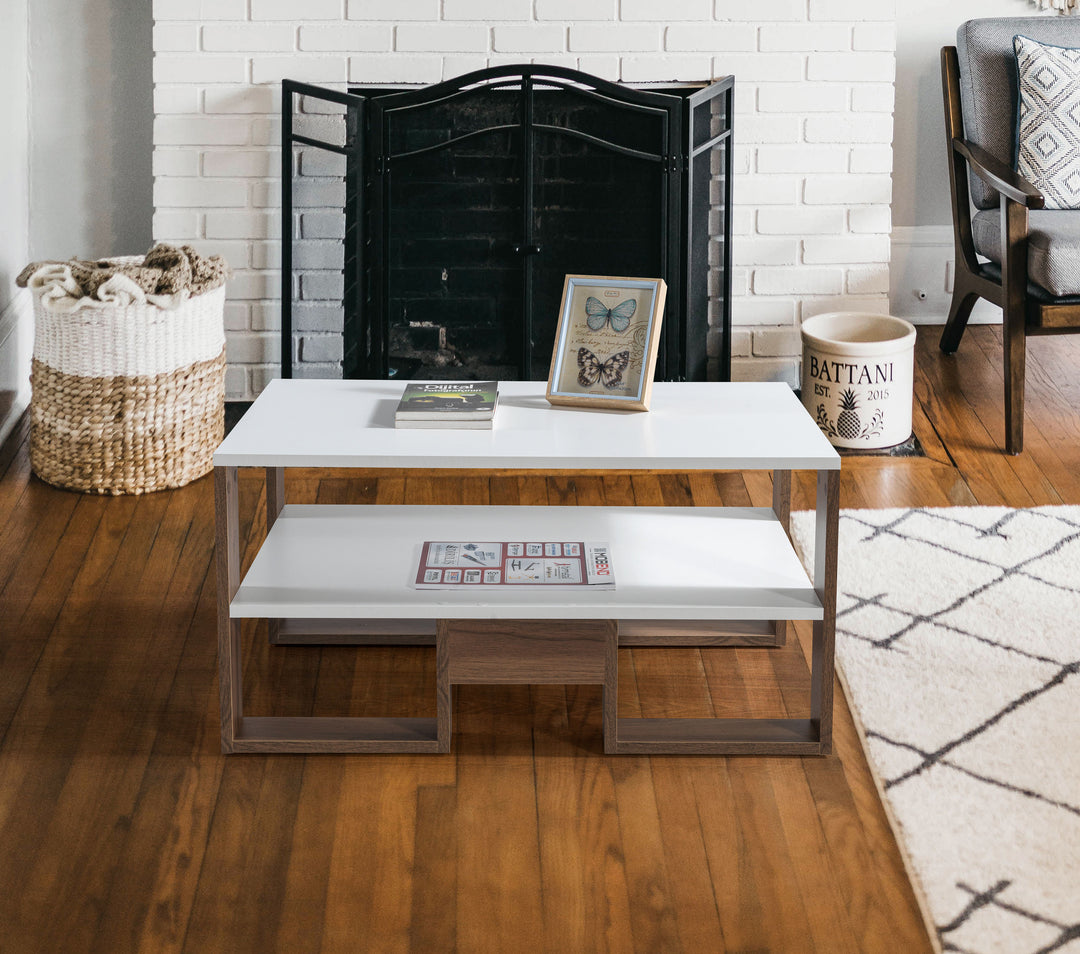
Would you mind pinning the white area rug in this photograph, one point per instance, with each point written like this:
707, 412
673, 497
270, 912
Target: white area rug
958, 643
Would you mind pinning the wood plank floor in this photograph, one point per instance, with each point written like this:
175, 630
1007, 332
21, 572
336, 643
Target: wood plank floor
122, 828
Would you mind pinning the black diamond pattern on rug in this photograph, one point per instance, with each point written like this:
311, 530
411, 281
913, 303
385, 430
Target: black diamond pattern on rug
958, 647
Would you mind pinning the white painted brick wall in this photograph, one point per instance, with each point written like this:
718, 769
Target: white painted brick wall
800, 37
346, 38
287, 9
176, 99
813, 135
697, 10
856, 10
393, 10
711, 38
487, 9
571, 10
250, 37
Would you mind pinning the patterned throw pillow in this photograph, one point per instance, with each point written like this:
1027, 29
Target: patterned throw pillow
1048, 126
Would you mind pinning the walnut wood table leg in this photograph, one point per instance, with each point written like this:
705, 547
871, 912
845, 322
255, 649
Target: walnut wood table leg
227, 558
781, 496
275, 500
444, 690
240, 733
824, 640
275, 494
811, 736
610, 699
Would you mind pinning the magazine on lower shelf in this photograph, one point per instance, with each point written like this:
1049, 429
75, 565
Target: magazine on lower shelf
446, 565
447, 404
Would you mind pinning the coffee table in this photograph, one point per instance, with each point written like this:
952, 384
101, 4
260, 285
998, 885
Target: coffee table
685, 575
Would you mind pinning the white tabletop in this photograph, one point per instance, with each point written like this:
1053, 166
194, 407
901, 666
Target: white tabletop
690, 426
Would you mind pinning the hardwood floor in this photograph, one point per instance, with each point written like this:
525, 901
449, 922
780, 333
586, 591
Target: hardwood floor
123, 828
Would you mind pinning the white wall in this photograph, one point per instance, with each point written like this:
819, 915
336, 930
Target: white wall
922, 224
15, 322
91, 127
77, 118
14, 150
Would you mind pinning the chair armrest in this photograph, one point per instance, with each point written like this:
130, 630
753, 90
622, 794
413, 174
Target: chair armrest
995, 173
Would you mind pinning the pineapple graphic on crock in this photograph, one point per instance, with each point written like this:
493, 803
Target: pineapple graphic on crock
849, 424
847, 421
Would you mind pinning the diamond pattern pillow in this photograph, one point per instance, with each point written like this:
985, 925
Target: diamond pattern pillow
1048, 126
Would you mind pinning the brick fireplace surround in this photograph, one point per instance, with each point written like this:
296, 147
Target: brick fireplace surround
813, 159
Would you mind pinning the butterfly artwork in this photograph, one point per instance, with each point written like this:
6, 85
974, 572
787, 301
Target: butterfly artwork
609, 372
597, 314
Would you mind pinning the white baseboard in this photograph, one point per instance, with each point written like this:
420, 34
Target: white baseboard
920, 277
16, 347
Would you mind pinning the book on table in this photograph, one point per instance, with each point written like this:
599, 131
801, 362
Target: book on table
466, 404
446, 565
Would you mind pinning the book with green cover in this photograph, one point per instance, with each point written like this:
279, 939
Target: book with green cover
445, 402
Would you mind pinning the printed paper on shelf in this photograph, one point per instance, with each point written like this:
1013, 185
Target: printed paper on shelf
452, 565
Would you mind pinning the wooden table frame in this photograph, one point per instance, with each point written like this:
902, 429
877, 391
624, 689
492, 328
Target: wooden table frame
477, 651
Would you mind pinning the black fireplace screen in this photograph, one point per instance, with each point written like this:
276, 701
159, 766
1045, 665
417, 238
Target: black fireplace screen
426, 234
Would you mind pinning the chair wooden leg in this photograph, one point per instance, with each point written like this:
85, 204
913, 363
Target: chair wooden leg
1015, 365
962, 303
1014, 229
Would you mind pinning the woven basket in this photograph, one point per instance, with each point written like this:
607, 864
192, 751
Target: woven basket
127, 399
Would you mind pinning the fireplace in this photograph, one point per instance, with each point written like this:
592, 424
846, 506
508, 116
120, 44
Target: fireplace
460, 208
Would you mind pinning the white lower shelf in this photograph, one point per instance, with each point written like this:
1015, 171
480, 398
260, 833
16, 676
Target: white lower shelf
357, 562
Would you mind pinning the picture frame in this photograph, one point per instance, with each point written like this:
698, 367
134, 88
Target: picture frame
605, 348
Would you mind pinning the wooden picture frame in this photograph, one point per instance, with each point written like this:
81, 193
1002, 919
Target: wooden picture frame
605, 348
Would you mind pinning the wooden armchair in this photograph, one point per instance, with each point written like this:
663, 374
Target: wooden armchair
1033, 274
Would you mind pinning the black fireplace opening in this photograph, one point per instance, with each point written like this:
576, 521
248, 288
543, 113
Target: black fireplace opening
427, 233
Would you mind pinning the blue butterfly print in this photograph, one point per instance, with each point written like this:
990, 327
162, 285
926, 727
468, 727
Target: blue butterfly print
596, 315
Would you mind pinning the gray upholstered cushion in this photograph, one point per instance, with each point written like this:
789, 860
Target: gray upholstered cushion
988, 82
1053, 246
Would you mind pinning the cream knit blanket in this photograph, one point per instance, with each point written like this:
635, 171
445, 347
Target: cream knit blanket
1062, 6
166, 277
